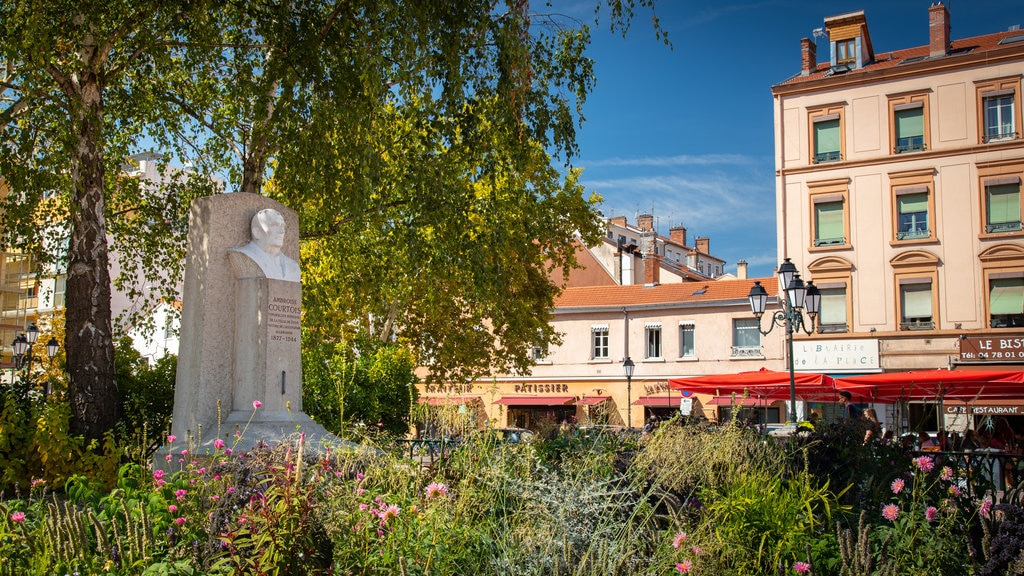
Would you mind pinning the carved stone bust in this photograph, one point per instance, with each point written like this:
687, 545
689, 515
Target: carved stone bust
262, 257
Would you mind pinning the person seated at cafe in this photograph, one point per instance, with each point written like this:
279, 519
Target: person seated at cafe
970, 441
925, 442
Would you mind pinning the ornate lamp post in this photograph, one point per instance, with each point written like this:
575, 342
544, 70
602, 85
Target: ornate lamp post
23, 344
799, 298
628, 367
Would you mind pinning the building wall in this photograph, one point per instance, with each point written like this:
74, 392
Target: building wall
952, 167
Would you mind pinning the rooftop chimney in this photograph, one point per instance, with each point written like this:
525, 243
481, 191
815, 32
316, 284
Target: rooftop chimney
618, 220
677, 234
808, 57
703, 245
938, 30
645, 221
652, 270
741, 270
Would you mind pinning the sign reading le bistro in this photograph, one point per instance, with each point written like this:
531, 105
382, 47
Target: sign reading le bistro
1008, 347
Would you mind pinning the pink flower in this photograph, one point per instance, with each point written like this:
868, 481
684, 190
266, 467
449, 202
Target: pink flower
685, 567
897, 485
946, 474
954, 490
363, 507
801, 567
678, 540
256, 404
697, 550
180, 494
360, 491
389, 512
436, 489
931, 513
172, 508
218, 443
158, 474
179, 521
924, 463
227, 451
890, 512
18, 517
168, 457
171, 438
359, 477
985, 508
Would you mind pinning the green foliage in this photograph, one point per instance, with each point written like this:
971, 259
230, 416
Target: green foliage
368, 382
147, 397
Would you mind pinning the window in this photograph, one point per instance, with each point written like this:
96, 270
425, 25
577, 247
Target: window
998, 103
828, 223
1003, 269
916, 276
832, 318
999, 123
653, 333
746, 338
1002, 205
686, 341
833, 275
912, 214
913, 206
846, 51
826, 140
1006, 301
829, 218
599, 341
909, 125
539, 353
916, 304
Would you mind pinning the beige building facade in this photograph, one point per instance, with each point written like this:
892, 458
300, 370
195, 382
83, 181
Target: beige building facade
898, 184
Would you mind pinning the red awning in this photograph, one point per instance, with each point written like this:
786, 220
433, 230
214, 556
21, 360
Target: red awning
591, 400
738, 401
764, 384
935, 384
535, 400
439, 400
662, 401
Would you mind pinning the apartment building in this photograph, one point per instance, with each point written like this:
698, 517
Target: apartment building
898, 184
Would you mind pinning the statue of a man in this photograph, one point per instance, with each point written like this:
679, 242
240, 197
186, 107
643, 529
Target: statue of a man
265, 248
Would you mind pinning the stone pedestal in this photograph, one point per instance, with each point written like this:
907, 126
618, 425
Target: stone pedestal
240, 336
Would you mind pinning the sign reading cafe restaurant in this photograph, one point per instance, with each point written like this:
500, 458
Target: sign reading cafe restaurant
832, 356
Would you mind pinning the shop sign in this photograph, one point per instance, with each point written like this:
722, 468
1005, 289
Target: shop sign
981, 410
655, 388
1009, 347
686, 406
541, 388
450, 389
836, 355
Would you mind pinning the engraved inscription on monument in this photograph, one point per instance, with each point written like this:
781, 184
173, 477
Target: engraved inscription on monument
283, 316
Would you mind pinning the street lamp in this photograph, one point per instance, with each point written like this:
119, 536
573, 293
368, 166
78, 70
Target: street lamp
628, 367
799, 298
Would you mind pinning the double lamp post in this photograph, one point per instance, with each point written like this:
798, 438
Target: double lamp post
799, 298
22, 346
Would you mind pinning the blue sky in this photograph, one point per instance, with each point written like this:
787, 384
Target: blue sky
686, 133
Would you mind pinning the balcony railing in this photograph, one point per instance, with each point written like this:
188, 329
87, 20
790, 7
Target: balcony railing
998, 134
830, 241
746, 352
833, 156
910, 144
1003, 227
913, 234
913, 324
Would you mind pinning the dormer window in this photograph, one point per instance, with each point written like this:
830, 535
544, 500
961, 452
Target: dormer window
846, 51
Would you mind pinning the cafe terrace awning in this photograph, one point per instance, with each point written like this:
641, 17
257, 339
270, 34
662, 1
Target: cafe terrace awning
441, 400
964, 385
658, 401
738, 401
763, 384
535, 400
591, 400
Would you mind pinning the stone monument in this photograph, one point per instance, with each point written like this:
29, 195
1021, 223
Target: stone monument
239, 364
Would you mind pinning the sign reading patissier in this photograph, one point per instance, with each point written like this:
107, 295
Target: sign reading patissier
836, 355
997, 348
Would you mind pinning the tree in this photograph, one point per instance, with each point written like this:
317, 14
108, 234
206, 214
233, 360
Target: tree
423, 128
75, 96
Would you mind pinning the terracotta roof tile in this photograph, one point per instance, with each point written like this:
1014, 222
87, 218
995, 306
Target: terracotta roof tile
892, 59
689, 292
